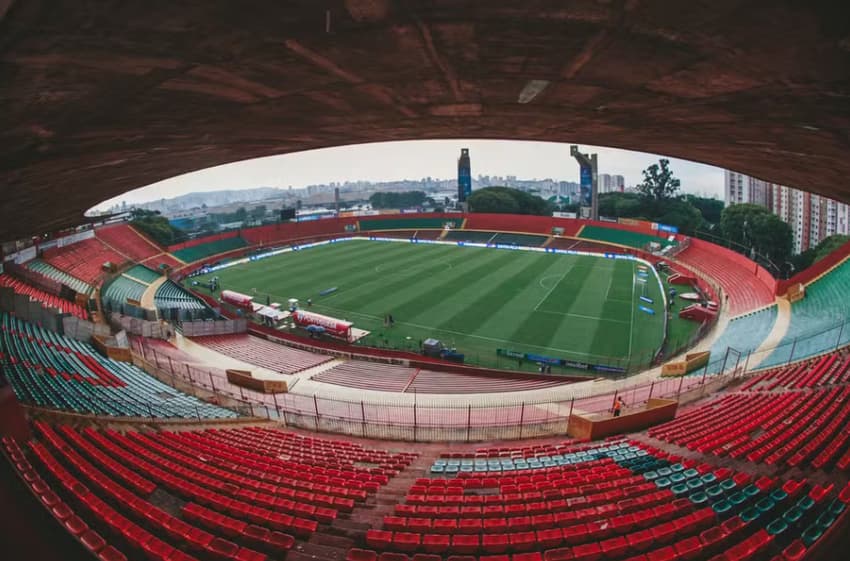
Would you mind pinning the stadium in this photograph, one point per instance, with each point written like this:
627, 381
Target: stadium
431, 386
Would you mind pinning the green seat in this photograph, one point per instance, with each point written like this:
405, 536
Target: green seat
737, 499
778, 495
714, 492
708, 478
722, 507
751, 490
836, 507
793, 515
677, 467
777, 527
689, 473
677, 478
694, 484
728, 484
812, 534
825, 520
679, 489
663, 482
806, 503
765, 505
650, 475
750, 514
664, 472
699, 498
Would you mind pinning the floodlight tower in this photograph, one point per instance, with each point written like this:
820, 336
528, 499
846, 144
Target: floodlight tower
464, 176
588, 184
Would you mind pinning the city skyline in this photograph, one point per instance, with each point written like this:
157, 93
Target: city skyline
419, 159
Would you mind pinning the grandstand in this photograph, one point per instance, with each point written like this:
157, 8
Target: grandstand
127, 241
474, 236
142, 273
818, 320
49, 370
116, 295
519, 239
171, 295
51, 272
622, 237
744, 334
84, 259
203, 250
49, 300
743, 282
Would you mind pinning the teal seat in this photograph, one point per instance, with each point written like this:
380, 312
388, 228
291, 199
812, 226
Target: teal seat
836, 507
751, 491
793, 515
825, 520
765, 505
694, 484
677, 478
438, 469
812, 534
708, 478
737, 499
689, 473
777, 527
679, 489
714, 492
750, 514
778, 495
722, 508
663, 482
650, 475
728, 484
806, 503
699, 498
677, 467
664, 472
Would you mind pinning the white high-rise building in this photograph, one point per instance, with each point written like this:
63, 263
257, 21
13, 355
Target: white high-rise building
812, 217
740, 188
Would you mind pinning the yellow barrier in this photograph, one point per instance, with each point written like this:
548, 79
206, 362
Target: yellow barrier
692, 362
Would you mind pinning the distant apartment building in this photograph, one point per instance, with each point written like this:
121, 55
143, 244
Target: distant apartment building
811, 217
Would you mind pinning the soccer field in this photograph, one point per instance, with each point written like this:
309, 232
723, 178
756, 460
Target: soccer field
574, 307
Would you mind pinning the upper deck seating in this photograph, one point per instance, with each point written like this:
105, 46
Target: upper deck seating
622, 237
209, 249
83, 260
125, 239
52, 272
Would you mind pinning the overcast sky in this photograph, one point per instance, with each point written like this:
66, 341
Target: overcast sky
385, 161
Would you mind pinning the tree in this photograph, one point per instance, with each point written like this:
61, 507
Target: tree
756, 228
241, 214
709, 208
658, 182
156, 227
505, 200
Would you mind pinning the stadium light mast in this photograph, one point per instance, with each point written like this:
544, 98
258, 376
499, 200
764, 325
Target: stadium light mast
464, 177
588, 184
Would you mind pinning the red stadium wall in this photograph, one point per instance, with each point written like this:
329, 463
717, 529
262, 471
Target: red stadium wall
815, 270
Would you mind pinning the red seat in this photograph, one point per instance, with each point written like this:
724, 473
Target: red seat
587, 552
93, 541
465, 544
495, 543
379, 539
522, 541
795, 551
390, 556
109, 553
435, 543
426, 557
560, 554
532, 556
406, 541
688, 548
547, 539
614, 547
666, 553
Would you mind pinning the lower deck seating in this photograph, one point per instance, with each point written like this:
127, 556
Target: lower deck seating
527, 240
743, 334
196, 494
794, 428
743, 289
622, 237
612, 501
209, 249
49, 300
49, 271
143, 274
473, 236
830, 369
261, 352
84, 260
117, 296
49, 370
173, 296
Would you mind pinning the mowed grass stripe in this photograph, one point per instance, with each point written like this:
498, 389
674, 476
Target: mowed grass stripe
427, 291
472, 309
646, 328
299, 268
422, 268
612, 339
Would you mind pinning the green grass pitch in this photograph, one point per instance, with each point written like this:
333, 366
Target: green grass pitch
582, 308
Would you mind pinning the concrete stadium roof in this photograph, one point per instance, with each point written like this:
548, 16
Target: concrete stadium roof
102, 97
